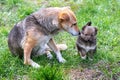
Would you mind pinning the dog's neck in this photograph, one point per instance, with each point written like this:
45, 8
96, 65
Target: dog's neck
50, 25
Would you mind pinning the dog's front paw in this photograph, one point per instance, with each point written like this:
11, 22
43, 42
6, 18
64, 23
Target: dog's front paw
34, 64
49, 56
61, 60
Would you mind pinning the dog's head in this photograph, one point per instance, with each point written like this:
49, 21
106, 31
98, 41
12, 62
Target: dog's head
89, 32
68, 22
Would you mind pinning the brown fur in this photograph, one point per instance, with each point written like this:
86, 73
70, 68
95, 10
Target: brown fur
31, 35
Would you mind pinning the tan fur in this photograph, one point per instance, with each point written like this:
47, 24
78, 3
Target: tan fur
34, 35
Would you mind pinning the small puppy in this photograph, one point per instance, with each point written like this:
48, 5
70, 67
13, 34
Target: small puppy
86, 42
33, 35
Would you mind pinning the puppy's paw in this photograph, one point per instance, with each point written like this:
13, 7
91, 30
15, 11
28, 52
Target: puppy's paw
90, 59
61, 60
83, 57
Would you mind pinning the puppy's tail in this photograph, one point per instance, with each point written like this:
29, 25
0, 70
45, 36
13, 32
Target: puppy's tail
62, 46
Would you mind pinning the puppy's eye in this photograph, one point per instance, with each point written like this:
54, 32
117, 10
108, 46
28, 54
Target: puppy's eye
92, 34
86, 34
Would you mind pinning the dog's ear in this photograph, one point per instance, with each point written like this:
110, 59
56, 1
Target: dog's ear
63, 16
89, 23
96, 30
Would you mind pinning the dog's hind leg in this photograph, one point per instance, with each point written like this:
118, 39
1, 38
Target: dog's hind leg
29, 44
27, 52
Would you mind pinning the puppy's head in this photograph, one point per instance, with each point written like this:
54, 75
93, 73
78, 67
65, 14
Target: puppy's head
68, 22
89, 32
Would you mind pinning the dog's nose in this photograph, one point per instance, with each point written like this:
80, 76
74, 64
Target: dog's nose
79, 32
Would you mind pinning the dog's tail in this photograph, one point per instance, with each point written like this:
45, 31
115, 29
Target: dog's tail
59, 46
62, 46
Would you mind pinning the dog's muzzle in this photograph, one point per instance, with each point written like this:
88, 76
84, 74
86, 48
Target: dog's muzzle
76, 33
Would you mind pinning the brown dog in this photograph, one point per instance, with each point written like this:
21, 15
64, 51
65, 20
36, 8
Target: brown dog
86, 42
34, 34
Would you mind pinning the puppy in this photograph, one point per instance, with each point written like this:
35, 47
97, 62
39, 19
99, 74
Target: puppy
86, 42
34, 35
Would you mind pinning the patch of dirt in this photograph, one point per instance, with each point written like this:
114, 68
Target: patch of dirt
86, 74
94, 73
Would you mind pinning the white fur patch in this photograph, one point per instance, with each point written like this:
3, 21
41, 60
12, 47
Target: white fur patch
55, 22
83, 57
34, 64
49, 55
87, 48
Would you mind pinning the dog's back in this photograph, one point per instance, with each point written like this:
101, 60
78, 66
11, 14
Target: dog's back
14, 40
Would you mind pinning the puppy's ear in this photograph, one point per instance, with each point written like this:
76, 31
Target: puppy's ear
89, 23
83, 28
96, 30
63, 16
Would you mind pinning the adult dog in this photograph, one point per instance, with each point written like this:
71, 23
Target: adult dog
31, 35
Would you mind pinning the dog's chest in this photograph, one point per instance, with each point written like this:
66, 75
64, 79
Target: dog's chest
41, 45
44, 40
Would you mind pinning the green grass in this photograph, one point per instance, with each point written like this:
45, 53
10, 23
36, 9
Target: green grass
105, 14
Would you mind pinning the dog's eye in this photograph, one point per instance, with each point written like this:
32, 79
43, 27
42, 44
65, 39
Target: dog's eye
74, 24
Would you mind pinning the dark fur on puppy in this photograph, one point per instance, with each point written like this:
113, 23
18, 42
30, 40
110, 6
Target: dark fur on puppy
86, 42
